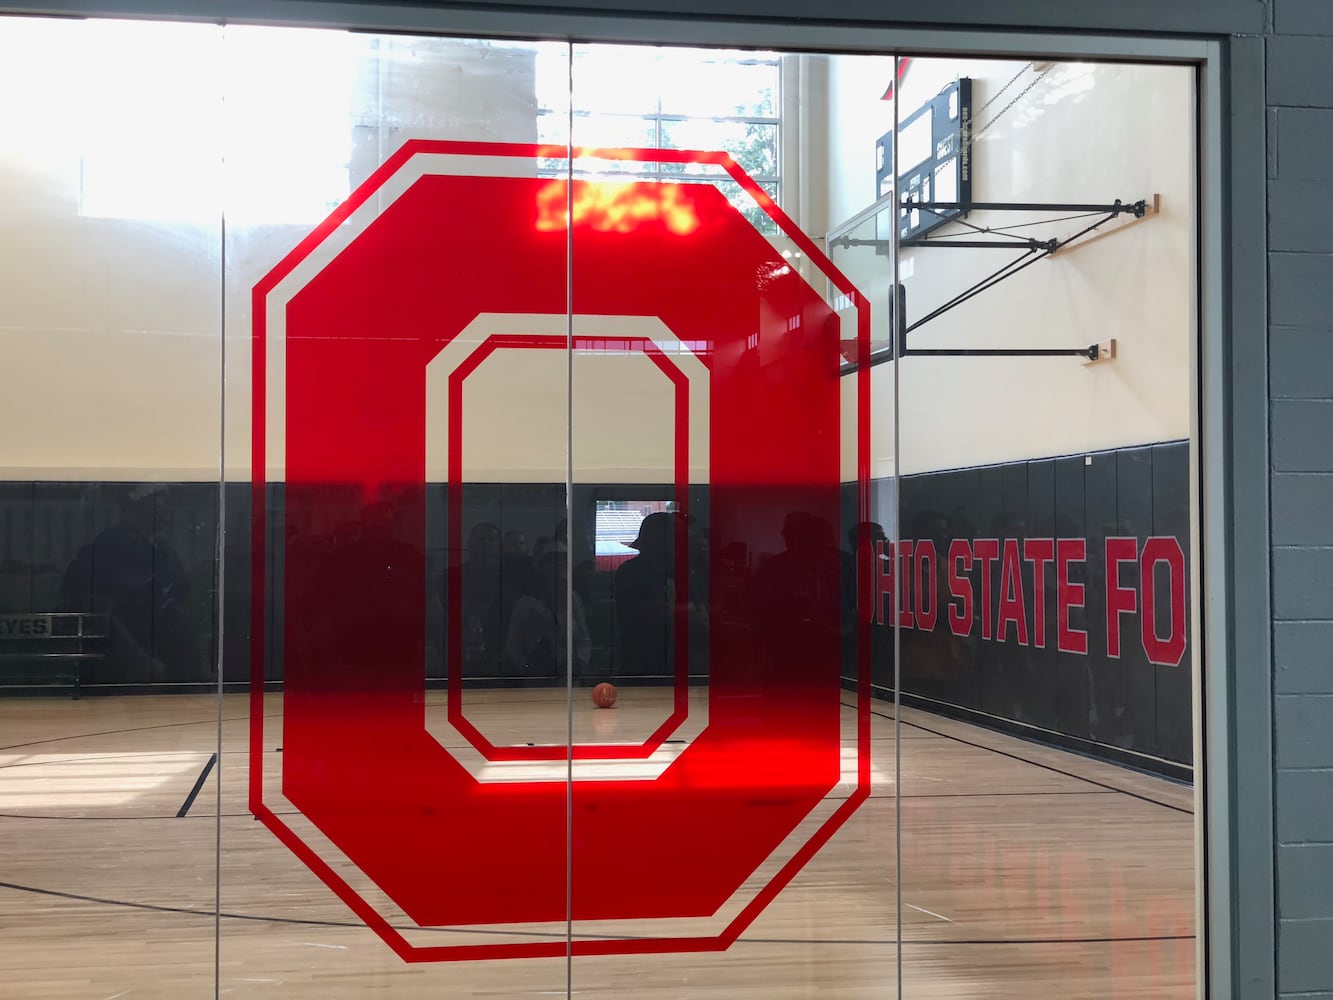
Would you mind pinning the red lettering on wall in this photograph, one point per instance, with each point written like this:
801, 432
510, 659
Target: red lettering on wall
960, 587
1069, 594
903, 572
986, 550
1163, 549
866, 558
883, 579
1119, 599
926, 582
1039, 551
1005, 594
1011, 595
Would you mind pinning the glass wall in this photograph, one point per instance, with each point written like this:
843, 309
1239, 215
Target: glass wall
112, 253
517, 518
1037, 252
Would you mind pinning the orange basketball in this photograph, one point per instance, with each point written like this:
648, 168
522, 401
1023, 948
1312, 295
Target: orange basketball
604, 695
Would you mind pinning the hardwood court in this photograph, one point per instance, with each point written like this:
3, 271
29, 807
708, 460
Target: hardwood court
1026, 872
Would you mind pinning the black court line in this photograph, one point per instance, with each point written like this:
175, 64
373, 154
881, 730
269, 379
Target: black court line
560, 935
1024, 760
198, 785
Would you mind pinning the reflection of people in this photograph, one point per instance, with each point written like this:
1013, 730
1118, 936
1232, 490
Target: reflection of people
870, 533
480, 575
582, 553
729, 591
874, 535
700, 593
132, 573
515, 545
799, 591
646, 599
535, 640
516, 573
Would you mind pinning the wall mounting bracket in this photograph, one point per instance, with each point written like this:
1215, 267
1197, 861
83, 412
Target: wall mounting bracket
1000, 238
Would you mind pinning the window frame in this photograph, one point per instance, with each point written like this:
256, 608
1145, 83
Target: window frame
1235, 724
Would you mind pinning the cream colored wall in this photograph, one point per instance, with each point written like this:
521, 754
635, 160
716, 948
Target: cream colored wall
404, 88
115, 169
1083, 133
517, 421
110, 314
108, 326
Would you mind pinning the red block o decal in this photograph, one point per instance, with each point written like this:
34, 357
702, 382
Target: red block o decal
368, 798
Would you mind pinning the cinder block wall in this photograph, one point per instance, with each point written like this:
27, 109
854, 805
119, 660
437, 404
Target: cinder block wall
1300, 231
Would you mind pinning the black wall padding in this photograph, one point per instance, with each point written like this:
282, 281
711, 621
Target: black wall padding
148, 552
1125, 703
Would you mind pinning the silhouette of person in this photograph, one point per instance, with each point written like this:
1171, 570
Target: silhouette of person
481, 600
130, 572
535, 641
369, 568
850, 577
798, 592
645, 595
850, 573
582, 554
699, 592
516, 576
515, 545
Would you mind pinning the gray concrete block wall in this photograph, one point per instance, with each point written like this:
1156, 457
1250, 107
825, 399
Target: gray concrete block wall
1298, 35
1300, 243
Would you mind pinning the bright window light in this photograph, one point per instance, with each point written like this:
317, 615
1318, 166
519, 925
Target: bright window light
177, 122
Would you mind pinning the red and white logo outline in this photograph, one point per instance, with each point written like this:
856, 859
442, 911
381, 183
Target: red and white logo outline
417, 159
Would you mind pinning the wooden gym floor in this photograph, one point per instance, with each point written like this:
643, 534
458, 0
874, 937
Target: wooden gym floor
1027, 872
